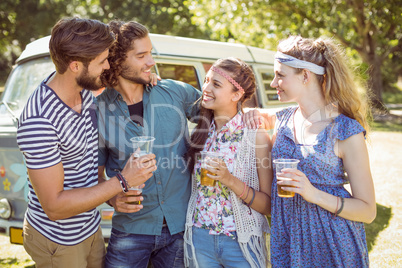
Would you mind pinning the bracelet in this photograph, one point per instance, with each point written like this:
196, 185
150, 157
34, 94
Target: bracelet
248, 190
337, 201
252, 199
251, 202
244, 190
123, 182
341, 208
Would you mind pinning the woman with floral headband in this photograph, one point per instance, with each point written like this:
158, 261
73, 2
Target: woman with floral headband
225, 224
322, 225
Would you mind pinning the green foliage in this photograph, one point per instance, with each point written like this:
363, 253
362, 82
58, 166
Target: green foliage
22, 21
160, 16
394, 97
372, 28
30, 19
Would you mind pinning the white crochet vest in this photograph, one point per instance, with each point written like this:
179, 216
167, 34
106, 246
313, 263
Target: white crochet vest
252, 230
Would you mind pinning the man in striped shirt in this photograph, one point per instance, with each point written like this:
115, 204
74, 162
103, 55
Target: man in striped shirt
57, 133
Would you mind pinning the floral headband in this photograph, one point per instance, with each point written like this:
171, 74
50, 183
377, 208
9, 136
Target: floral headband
230, 79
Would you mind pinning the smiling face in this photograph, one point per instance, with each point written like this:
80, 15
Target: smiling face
137, 66
217, 93
287, 82
89, 77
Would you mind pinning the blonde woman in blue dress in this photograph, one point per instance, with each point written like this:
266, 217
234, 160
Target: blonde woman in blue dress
322, 225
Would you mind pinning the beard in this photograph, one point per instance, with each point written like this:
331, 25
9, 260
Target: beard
88, 82
133, 76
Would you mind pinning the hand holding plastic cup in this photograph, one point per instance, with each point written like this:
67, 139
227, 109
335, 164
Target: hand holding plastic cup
282, 164
205, 158
142, 145
136, 188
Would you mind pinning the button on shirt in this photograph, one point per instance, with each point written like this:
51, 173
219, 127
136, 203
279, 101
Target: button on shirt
167, 106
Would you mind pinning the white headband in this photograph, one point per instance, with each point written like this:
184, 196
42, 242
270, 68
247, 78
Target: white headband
301, 64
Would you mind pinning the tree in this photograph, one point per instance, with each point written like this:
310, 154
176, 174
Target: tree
159, 16
372, 28
22, 21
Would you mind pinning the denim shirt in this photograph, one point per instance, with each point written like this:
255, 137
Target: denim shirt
167, 106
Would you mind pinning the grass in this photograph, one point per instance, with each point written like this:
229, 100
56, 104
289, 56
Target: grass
381, 223
13, 256
386, 126
392, 97
14, 262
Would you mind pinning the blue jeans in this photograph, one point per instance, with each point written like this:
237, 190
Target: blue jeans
135, 250
217, 250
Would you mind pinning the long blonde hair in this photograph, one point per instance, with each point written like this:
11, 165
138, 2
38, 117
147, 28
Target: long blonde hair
339, 84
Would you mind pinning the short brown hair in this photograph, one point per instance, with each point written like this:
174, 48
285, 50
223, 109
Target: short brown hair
126, 33
78, 39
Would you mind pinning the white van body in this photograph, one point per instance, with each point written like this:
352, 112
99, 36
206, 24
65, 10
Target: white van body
178, 58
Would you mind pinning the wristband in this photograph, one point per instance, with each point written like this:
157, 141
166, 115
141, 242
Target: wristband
252, 199
251, 202
123, 182
244, 190
337, 201
341, 208
248, 190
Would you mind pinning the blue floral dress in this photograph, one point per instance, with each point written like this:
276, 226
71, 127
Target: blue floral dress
304, 234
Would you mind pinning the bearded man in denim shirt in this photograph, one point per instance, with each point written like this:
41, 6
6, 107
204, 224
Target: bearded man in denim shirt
130, 107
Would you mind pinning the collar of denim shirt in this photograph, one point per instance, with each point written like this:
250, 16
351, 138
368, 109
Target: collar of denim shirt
113, 94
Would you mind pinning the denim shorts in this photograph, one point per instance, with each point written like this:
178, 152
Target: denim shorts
136, 250
217, 250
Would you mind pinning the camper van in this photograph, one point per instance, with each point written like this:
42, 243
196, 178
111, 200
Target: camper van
178, 58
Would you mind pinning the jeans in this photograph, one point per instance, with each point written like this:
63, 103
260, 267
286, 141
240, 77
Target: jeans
136, 250
217, 250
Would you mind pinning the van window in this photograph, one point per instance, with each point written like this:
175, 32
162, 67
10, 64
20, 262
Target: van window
182, 73
23, 81
267, 77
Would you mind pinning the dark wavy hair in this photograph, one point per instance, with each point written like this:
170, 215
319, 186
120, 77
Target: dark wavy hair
75, 39
242, 74
125, 33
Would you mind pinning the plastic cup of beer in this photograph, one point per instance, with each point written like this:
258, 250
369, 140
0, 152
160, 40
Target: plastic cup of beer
142, 145
137, 188
282, 164
206, 159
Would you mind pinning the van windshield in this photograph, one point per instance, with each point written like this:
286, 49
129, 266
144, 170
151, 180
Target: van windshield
22, 82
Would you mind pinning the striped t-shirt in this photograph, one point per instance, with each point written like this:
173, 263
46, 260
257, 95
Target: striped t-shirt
50, 132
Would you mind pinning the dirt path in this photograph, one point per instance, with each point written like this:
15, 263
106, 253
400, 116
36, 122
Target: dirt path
386, 165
